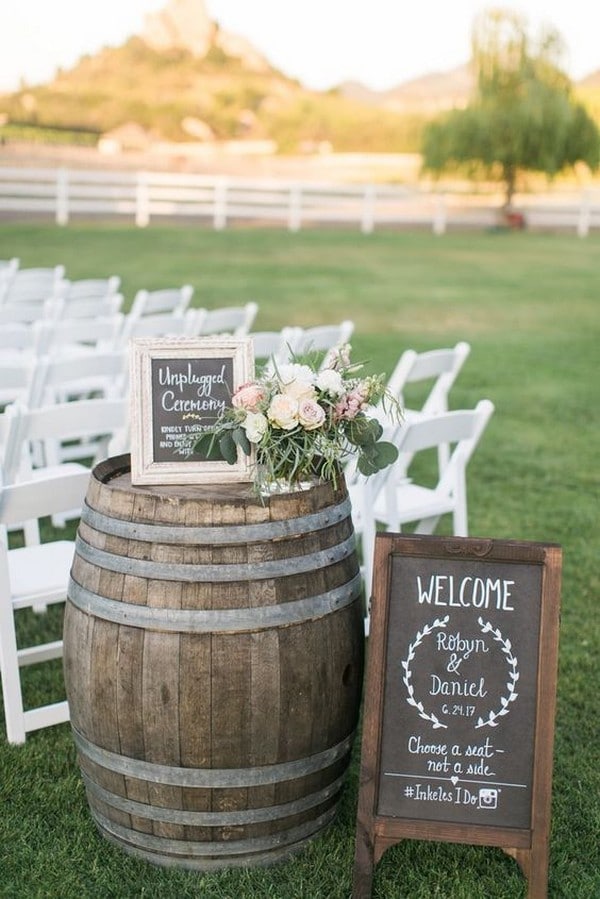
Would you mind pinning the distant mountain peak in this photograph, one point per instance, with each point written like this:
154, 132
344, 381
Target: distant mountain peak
186, 23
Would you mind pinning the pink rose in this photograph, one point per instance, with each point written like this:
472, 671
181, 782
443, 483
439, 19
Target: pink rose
248, 396
310, 415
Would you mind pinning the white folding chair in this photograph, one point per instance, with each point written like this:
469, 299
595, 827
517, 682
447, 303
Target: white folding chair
33, 576
16, 339
90, 308
236, 320
17, 373
434, 371
392, 503
154, 302
74, 336
22, 427
273, 348
8, 267
29, 311
75, 377
92, 288
33, 284
91, 424
161, 324
320, 339
57, 378
438, 367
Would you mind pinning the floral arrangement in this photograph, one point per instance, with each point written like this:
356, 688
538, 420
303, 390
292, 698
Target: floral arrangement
302, 421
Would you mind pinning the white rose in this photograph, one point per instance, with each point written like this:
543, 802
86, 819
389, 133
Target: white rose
330, 381
283, 411
255, 426
310, 415
293, 371
299, 390
297, 381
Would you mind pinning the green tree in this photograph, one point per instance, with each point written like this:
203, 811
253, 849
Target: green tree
523, 116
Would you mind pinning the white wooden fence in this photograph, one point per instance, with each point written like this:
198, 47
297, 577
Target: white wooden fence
64, 194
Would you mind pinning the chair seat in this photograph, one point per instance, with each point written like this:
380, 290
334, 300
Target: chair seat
413, 502
40, 571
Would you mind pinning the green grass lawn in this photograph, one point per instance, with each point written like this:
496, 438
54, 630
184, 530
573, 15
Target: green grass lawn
529, 305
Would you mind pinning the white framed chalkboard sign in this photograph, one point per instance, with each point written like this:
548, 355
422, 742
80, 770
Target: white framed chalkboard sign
460, 699
179, 387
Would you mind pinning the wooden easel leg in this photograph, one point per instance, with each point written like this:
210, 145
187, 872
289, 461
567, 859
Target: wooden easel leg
362, 881
534, 865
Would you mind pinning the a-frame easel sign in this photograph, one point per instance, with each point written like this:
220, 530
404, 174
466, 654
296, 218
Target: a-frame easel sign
460, 699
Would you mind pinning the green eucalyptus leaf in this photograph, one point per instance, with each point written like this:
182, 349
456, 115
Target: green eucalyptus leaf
207, 446
366, 466
241, 439
387, 453
359, 431
228, 448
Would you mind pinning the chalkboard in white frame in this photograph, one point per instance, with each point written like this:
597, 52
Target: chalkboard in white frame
179, 387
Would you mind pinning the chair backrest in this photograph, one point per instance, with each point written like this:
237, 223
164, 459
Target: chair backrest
59, 492
90, 307
155, 302
35, 284
460, 431
163, 324
105, 372
28, 311
272, 348
321, 339
462, 427
22, 427
92, 288
78, 334
15, 339
440, 367
8, 267
236, 320
17, 373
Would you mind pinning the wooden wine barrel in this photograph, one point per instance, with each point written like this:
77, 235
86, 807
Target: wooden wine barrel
213, 657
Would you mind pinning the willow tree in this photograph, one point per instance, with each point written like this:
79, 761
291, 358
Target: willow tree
522, 117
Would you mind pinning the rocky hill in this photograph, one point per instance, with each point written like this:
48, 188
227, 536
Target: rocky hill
429, 94
184, 78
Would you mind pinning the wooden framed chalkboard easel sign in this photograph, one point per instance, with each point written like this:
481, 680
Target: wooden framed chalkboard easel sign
179, 387
460, 699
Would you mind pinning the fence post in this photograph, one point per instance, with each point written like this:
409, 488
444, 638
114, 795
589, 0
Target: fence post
220, 204
585, 214
440, 217
295, 208
62, 196
367, 222
142, 201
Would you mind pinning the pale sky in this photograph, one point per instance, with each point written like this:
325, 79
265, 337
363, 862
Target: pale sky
381, 43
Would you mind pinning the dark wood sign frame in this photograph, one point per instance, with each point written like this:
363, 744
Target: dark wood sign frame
377, 830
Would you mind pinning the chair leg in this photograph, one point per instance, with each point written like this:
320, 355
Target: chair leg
11, 680
461, 528
427, 525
